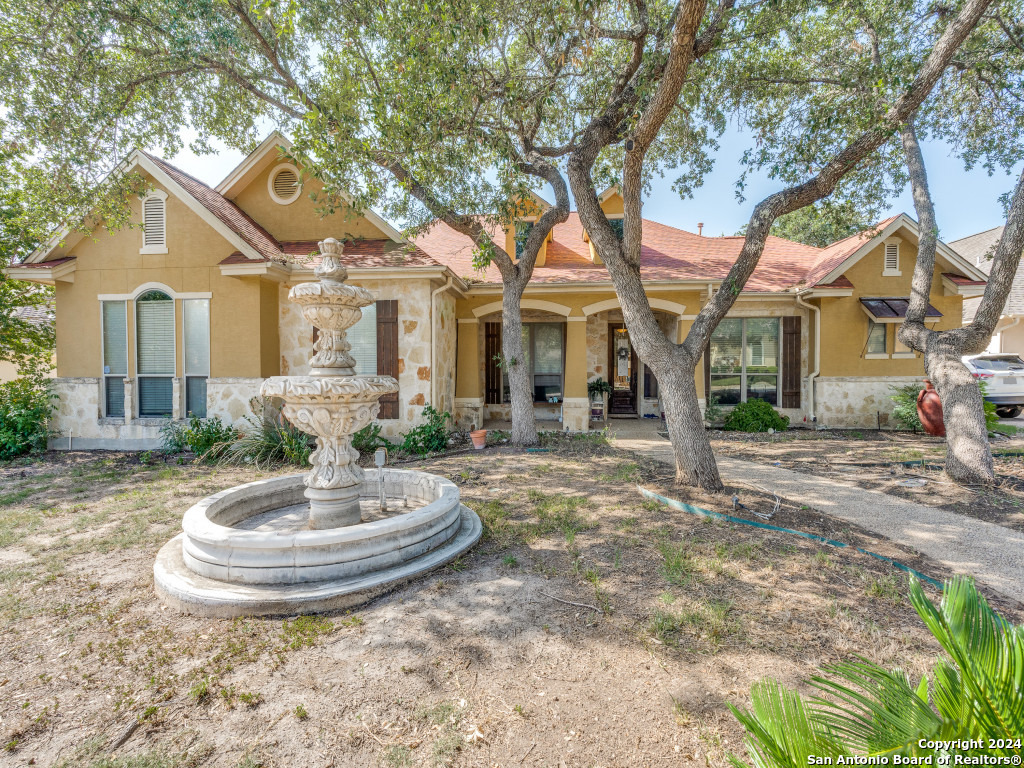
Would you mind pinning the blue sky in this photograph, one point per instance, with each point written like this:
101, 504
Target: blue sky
966, 202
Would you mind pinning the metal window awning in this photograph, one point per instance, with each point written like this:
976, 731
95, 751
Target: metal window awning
893, 309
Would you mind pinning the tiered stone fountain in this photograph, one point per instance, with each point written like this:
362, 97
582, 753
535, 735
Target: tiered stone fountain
319, 541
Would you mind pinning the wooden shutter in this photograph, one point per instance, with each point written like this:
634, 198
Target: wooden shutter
387, 353
650, 382
791, 362
492, 372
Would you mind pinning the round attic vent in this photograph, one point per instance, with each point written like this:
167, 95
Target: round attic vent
284, 184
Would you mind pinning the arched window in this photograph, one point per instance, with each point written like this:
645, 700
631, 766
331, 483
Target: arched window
154, 222
154, 320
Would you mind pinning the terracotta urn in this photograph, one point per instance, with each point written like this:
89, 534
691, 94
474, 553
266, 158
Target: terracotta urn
929, 410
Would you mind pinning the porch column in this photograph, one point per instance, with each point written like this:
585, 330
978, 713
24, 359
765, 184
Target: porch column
576, 408
469, 401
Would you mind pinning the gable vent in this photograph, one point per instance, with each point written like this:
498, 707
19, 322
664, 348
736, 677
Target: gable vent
892, 257
284, 184
154, 221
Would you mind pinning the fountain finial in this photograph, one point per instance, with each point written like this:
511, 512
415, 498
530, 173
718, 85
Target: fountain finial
330, 268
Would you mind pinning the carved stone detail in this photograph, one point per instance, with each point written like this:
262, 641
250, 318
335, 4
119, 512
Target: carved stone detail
331, 403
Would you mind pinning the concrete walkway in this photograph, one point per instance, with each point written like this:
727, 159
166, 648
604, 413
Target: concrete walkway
994, 555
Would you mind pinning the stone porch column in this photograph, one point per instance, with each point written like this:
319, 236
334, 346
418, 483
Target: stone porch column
576, 408
469, 401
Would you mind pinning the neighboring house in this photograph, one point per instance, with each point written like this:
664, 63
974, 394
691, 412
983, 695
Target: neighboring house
1009, 333
37, 316
190, 314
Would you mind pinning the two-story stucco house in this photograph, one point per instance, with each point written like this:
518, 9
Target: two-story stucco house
189, 313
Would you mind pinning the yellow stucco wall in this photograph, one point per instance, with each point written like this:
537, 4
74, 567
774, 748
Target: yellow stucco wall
110, 263
844, 324
300, 220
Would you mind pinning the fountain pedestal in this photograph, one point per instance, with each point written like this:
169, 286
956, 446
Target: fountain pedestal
332, 402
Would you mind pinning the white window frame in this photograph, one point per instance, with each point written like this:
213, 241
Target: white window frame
161, 247
103, 355
184, 356
885, 331
887, 271
137, 405
278, 170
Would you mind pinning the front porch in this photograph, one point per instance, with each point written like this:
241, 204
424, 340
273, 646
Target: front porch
563, 352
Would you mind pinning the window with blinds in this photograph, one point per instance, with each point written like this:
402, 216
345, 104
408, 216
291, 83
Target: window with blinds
154, 319
154, 222
115, 356
363, 338
196, 332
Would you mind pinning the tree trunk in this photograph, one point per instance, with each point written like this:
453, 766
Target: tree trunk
695, 461
968, 456
524, 424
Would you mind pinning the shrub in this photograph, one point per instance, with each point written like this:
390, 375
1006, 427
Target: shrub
867, 709
713, 410
203, 437
755, 416
368, 439
26, 405
430, 437
269, 439
905, 410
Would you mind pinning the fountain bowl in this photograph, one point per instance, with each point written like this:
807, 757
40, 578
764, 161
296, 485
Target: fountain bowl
223, 565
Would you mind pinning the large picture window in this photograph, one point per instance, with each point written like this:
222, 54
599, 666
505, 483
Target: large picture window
154, 318
196, 333
115, 356
745, 355
544, 353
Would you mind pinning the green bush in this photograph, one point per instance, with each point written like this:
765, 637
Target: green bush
368, 439
269, 439
905, 410
755, 416
26, 405
864, 709
200, 436
430, 437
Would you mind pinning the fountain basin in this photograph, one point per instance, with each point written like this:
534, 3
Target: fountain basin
219, 567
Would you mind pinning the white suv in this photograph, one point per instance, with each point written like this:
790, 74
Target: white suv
1003, 375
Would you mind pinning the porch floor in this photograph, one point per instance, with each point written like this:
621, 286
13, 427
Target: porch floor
629, 426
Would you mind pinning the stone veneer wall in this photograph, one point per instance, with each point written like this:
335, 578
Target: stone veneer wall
228, 398
860, 402
77, 422
414, 367
446, 332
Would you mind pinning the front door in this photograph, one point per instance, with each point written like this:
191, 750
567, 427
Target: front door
622, 371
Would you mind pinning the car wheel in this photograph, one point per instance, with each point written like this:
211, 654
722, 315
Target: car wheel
1010, 412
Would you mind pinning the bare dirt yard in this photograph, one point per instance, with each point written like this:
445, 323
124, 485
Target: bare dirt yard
899, 463
589, 628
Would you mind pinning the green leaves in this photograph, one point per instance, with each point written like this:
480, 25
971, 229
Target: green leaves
977, 693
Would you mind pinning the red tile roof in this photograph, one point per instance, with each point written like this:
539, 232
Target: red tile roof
833, 255
961, 280
43, 264
229, 214
667, 253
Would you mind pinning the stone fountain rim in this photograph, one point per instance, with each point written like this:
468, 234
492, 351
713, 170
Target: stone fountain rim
296, 389
198, 526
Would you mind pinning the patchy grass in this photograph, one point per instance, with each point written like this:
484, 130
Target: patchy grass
599, 595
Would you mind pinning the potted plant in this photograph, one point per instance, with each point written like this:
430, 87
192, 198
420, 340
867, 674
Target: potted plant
598, 390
